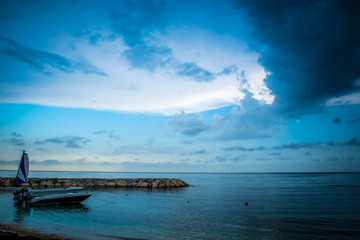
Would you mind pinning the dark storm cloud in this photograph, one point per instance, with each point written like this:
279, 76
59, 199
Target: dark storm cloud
311, 48
41, 60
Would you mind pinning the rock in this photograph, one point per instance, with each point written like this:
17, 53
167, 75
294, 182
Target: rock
49, 184
182, 183
110, 184
155, 183
142, 184
89, 185
99, 182
7, 183
25, 185
168, 183
134, 184
174, 183
66, 184
162, 184
121, 183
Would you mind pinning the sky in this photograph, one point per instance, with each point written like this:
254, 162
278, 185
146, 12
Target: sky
180, 86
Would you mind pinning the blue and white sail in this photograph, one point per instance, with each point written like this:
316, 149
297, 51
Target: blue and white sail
23, 171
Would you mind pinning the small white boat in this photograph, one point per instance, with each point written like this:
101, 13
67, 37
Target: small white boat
64, 198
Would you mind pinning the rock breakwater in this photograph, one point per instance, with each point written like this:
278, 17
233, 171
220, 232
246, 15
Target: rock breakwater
97, 182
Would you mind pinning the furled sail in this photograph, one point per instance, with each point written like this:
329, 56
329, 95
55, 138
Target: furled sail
23, 171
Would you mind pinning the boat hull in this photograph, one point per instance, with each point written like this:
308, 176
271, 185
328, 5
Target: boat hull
67, 198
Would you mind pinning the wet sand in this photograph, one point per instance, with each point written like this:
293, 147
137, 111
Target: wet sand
14, 232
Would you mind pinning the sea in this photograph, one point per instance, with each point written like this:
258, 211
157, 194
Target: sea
279, 206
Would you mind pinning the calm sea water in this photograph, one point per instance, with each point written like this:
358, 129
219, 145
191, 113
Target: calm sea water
281, 206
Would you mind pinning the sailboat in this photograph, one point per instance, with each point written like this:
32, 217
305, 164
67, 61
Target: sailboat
45, 196
23, 171
22, 177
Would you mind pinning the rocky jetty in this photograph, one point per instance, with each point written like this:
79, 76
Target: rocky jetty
97, 182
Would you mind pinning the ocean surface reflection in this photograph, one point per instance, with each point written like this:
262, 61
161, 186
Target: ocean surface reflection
281, 206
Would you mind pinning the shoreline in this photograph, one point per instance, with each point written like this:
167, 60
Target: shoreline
8, 231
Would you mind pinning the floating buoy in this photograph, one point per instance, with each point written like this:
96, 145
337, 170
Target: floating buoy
246, 203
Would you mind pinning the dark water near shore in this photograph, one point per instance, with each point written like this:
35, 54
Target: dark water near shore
281, 206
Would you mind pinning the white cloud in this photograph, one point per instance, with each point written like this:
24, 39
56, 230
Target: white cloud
161, 91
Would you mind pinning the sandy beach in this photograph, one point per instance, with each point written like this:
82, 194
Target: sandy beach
14, 232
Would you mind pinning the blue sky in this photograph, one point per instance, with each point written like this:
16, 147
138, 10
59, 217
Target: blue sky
193, 86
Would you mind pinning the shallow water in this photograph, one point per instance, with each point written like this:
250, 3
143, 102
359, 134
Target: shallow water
281, 206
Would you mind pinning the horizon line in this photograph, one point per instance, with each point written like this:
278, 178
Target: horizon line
170, 172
